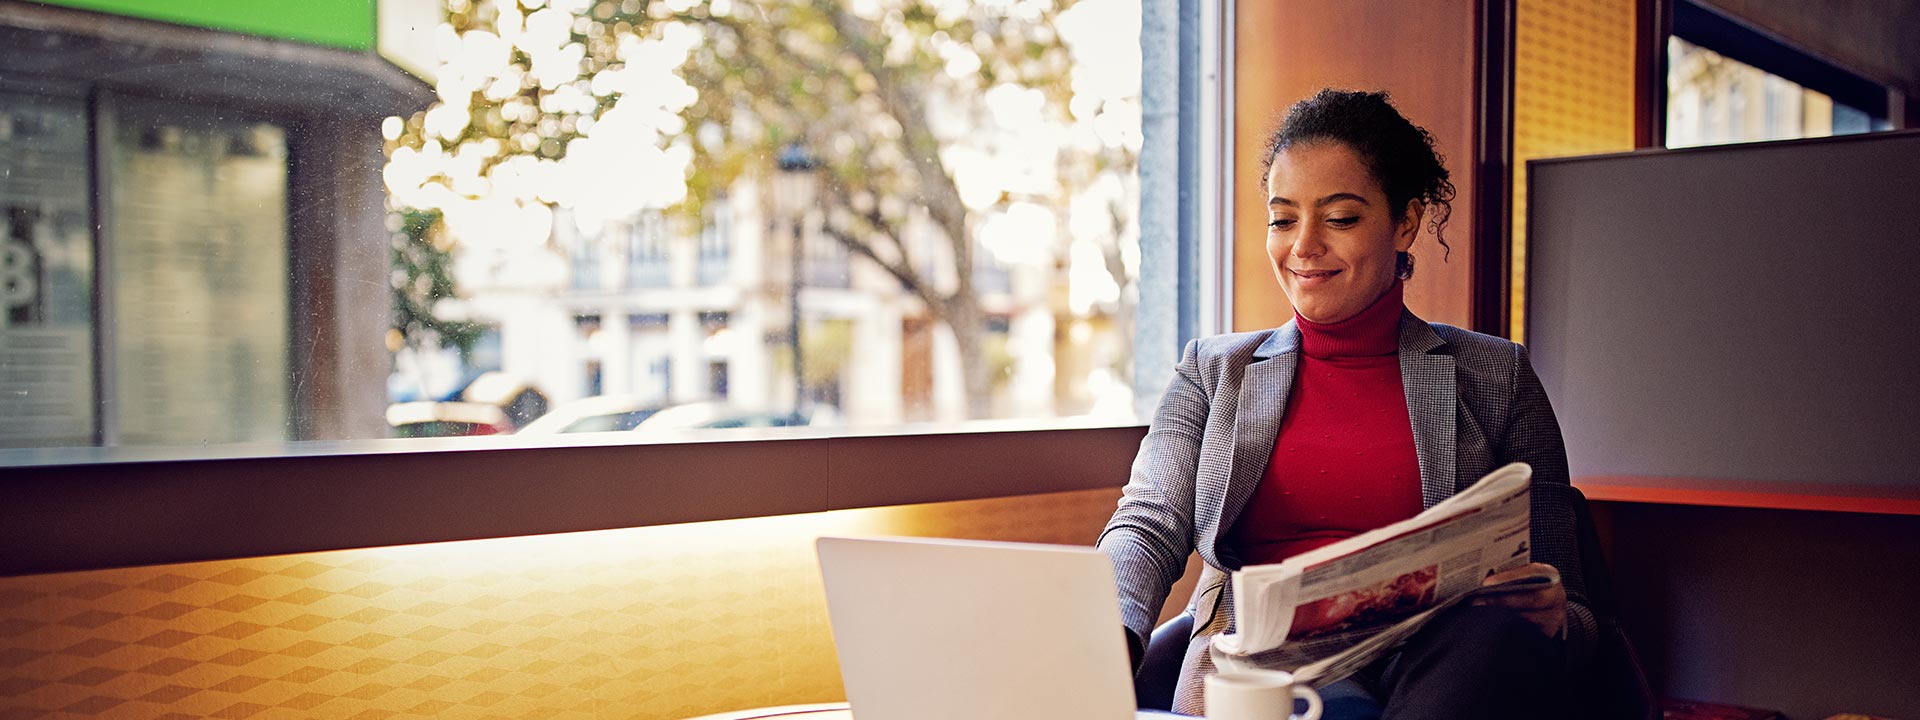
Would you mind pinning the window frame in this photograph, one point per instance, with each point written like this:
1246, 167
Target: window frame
82, 515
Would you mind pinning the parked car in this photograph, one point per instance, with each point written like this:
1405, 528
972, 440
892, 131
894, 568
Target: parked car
716, 415
490, 403
521, 402
431, 418
599, 413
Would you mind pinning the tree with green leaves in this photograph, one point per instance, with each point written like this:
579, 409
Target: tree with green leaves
423, 274
918, 113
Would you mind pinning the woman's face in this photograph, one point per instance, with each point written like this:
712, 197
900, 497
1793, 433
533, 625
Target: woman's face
1330, 233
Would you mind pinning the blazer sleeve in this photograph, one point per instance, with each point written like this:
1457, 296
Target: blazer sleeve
1151, 532
1533, 437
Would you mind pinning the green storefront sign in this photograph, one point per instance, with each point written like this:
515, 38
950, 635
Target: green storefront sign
337, 23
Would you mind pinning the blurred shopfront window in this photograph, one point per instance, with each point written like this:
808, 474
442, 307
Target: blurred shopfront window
46, 273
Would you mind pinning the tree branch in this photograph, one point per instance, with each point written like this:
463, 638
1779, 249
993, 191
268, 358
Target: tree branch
909, 110
902, 269
909, 279
873, 218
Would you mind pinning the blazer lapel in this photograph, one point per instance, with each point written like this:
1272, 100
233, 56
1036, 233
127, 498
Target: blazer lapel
1256, 424
1429, 383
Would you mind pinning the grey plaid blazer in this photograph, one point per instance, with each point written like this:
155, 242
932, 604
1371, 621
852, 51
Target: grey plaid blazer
1475, 405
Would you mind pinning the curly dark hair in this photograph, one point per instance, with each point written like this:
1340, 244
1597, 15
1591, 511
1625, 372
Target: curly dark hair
1399, 154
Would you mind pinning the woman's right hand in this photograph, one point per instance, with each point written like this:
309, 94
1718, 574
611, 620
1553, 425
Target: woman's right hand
1545, 604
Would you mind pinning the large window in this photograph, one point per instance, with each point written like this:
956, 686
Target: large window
1713, 99
633, 216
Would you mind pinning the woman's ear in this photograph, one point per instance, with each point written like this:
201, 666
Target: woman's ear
1408, 229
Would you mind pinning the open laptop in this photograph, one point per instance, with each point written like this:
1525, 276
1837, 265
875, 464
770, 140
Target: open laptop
967, 630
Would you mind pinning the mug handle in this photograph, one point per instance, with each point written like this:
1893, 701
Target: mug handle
1313, 702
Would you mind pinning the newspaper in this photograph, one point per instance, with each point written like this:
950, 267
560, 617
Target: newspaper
1326, 613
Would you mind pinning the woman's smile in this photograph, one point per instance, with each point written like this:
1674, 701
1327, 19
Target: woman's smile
1312, 278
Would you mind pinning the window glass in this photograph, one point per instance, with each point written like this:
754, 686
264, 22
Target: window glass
785, 192
197, 238
46, 273
1713, 99
569, 215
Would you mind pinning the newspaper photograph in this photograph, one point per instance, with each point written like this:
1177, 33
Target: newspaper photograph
1326, 613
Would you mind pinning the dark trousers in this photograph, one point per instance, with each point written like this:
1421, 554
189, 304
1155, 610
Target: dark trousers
1474, 662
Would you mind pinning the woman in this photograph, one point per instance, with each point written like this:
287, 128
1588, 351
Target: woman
1353, 415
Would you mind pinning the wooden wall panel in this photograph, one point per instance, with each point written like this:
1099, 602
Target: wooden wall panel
1423, 54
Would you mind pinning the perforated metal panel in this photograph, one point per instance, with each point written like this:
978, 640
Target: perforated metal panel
1572, 95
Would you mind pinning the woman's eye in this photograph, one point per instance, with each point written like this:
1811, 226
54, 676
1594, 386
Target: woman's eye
1280, 223
1344, 222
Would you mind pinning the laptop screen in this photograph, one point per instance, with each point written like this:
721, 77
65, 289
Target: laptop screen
964, 630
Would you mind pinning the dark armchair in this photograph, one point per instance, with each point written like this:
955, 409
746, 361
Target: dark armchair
1160, 666
1615, 686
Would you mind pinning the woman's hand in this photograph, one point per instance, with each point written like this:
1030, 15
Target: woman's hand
1545, 604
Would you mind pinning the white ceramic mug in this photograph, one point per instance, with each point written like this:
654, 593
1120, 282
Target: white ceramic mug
1258, 695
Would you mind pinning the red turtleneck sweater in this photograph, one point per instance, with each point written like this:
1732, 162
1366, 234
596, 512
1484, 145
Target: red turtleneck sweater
1344, 461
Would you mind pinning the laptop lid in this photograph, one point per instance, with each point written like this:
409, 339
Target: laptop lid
968, 630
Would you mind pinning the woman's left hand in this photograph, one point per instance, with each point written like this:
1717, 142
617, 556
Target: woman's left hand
1545, 606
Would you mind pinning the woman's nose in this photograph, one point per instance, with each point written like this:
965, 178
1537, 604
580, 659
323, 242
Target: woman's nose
1308, 243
